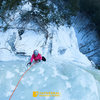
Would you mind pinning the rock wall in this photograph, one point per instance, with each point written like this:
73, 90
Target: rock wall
88, 38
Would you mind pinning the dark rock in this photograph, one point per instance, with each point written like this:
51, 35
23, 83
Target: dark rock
87, 36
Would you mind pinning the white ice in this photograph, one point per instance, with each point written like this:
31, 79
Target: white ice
66, 70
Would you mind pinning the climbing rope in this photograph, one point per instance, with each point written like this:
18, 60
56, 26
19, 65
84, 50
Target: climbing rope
20, 80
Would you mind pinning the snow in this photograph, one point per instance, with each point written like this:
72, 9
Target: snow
27, 7
71, 81
17, 70
41, 72
46, 78
5, 50
6, 55
64, 44
66, 70
9, 75
8, 93
68, 85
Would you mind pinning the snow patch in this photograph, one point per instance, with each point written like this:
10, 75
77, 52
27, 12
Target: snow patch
27, 7
41, 72
8, 93
68, 85
9, 75
17, 70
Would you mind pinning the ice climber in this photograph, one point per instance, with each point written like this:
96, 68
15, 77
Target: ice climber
36, 57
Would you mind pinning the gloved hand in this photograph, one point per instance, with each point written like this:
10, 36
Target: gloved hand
38, 61
29, 63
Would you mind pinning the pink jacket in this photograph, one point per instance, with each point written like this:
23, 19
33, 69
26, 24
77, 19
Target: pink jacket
39, 57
